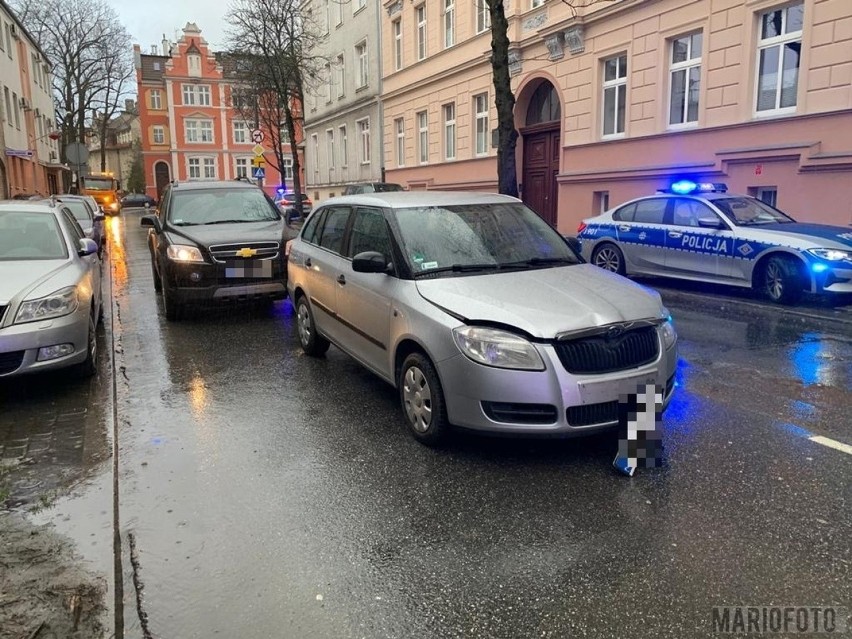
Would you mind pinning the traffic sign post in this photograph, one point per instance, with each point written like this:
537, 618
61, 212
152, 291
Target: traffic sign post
259, 173
257, 136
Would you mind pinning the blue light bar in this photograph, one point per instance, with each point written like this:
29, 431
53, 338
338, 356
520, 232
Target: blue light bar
682, 187
686, 187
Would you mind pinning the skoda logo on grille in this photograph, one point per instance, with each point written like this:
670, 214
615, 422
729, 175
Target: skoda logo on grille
613, 333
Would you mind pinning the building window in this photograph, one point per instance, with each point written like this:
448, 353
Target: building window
196, 95
364, 138
360, 4
329, 147
420, 13
483, 16
480, 110
241, 166
449, 23
450, 131
240, 132
194, 168
423, 136
288, 168
283, 135
397, 44
17, 107
209, 166
768, 195
315, 148
198, 130
9, 51
329, 84
8, 105
156, 99
601, 202
193, 62
159, 135
340, 69
614, 95
363, 63
534, 4
778, 56
338, 13
685, 78
399, 127
343, 146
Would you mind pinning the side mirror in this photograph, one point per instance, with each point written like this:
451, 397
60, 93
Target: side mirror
99, 215
710, 222
370, 262
87, 247
147, 205
151, 220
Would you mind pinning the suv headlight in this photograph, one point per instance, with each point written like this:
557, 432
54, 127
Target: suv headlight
184, 253
62, 302
669, 334
832, 255
500, 349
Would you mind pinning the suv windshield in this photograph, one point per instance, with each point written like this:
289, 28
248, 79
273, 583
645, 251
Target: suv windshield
221, 206
30, 236
746, 211
473, 237
98, 184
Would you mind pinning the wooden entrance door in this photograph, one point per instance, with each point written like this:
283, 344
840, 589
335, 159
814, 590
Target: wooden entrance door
541, 165
161, 175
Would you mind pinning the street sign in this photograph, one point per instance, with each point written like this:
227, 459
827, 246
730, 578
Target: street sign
257, 136
259, 173
19, 153
258, 150
258, 163
77, 153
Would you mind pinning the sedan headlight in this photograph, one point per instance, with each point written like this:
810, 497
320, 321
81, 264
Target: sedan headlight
832, 255
184, 253
62, 302
500, 349
669, 334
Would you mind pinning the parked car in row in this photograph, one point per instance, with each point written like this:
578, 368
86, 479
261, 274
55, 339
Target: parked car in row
478, 312
50, 290
137, 200
699, 231
286, 203
89, 215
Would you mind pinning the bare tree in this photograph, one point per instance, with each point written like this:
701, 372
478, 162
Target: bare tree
272, 39
118, 78
504, 97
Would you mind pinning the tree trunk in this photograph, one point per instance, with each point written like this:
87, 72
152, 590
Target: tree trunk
507, 135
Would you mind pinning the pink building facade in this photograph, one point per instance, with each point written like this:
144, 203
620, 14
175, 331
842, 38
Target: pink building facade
622, 98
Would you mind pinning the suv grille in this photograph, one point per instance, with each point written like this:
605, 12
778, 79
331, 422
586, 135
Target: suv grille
10, 361
228, 252
601, 354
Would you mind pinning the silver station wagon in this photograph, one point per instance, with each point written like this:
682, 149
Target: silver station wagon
477, 311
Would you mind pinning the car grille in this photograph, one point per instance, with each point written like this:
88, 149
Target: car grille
601, 354
10, 361
603, 413
228, 252
520, 413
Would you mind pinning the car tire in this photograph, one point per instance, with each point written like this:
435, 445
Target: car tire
158, 283
89, 366
422, 400
609, 257
312, 342
171, 308
780, 280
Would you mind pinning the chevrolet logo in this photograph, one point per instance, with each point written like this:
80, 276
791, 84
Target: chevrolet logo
246, 252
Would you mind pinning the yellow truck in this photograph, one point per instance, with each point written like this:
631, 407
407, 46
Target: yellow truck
102, 187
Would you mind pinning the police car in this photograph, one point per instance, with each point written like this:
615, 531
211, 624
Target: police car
699, 231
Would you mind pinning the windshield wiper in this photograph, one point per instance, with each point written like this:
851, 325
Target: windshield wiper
459, 268
542, 261
187, 223
266, 219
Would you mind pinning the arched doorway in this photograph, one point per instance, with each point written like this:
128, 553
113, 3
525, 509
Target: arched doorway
540, 133
161, 177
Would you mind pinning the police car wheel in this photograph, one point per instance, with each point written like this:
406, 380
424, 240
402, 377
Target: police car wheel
781, 281
609, 257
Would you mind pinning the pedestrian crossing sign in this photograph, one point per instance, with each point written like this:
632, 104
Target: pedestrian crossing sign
259, 173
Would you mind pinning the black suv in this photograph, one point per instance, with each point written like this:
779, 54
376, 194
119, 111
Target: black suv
217, 241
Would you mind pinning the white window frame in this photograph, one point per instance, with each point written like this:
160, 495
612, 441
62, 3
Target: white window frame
196, 94
364, 140
329, 149
363, 62
315, 145
423, 136
535, 4
422, 43
684, 67
763, 191
399, 128
358, 5
338, 12
158, 128
619, 85
193, 65
288, 168
206, 166
449, 113
343, 147
483, 17
340, 71
242, 164
449, 23
480, 114
193, 163
397, 44
209, 163
764, 44
156, 99
242, 128
198, 128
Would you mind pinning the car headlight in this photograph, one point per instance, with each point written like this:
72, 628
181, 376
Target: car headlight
184, 253
832, 255
669, 334
62, 302
497, 348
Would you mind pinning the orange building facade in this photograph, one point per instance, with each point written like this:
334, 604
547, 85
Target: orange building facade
190, 129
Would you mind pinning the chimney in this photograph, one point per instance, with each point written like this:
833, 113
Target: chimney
154, 49
167, 46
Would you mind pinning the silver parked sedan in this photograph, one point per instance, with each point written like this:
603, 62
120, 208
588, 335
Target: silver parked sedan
477, 311
50, 290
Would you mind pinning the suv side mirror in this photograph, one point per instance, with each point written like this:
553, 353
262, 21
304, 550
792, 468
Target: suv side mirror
370, 262
87, 247
151, 220
710, 222
99, 215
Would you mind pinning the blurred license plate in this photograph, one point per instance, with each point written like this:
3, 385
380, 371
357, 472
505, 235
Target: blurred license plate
249, 268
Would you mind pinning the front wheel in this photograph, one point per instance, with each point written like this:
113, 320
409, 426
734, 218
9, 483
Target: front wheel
88, 367
158, 283
422, 400
609, 257
312, 342
172, 309
780, 280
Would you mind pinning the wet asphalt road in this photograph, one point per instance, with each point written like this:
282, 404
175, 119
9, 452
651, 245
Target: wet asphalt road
268, 494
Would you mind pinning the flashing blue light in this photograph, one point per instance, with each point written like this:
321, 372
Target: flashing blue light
280, 190
819, 268
682, 187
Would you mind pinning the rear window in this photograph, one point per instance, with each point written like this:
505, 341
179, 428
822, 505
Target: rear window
30, 236
79, 209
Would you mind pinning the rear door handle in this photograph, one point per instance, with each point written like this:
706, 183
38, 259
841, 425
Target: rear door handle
308, 262
624, 227
675, 234
341, 279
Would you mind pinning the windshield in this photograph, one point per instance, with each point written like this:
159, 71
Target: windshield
79, 209
747, 211
30, 236
221, 206
479, 237
98, 184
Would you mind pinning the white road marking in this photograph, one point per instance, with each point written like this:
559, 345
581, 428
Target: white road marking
831, 443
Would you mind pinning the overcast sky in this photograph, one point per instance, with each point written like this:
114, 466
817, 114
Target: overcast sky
148, 20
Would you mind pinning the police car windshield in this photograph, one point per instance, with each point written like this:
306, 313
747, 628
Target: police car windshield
747, 211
